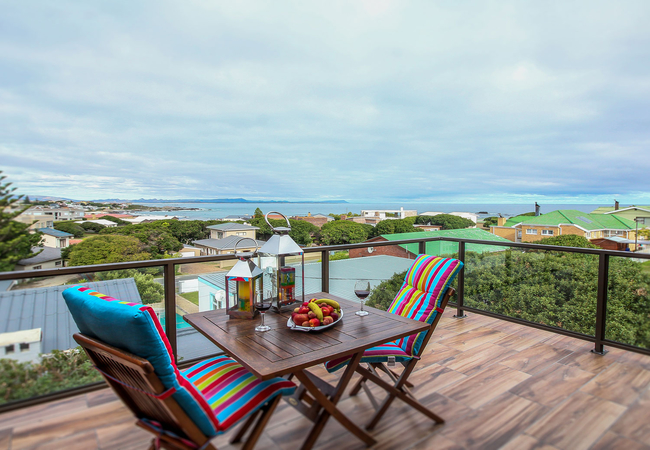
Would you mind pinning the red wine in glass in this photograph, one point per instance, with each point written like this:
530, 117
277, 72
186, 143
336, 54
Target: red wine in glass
362, 290
263, 305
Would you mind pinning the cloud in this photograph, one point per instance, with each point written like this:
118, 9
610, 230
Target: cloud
377, 100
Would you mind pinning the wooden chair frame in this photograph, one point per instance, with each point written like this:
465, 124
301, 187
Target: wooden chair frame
400, 387
138, 392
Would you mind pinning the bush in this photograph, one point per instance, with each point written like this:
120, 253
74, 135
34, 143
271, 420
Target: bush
382, 296
57, 371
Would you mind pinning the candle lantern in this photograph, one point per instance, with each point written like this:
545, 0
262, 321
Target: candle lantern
244, 285
281, 277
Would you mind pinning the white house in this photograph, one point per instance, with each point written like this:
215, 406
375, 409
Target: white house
48, 258
383, 214
21, 346
55, 238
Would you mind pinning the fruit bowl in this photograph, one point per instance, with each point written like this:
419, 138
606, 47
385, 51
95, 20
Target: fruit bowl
293, 326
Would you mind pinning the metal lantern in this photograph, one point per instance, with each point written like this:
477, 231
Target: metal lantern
244, 285
282, 278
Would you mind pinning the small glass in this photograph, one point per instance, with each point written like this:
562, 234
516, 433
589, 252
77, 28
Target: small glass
262, 305
362, 290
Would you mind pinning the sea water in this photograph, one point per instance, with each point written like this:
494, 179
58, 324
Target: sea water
207, 211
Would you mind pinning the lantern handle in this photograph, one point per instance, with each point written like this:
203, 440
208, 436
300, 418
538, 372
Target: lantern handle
257, 247
266, 218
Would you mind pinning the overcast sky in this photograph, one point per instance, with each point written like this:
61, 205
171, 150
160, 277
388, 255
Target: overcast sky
491, 101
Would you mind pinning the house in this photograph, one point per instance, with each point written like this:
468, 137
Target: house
44, 217
428, 227
438, 248
236, 218
383, 214
44, 308
317, 219
465, 215
55, 238
93, 216
562, 222
226, 245
148, 219
224, 230
639, 213
21, 346
188, 251
48, 258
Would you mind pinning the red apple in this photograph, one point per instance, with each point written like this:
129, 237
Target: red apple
296, 309
334, 316
300, 318
305, 324
303, 310
311, 314
327, 320
314, 322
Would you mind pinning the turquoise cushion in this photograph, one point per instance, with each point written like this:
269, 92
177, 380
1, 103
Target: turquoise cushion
135, 328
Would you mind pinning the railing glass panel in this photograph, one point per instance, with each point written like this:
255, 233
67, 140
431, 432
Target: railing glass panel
628, 301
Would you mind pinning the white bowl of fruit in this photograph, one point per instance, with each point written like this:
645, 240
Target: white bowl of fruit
316, 314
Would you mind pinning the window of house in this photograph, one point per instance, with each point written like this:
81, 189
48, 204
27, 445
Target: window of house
531, 231
547, 232
37, 267
10, 349
57, 263
241, 233
24, 347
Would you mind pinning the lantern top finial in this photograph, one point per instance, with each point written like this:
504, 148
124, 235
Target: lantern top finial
280, 244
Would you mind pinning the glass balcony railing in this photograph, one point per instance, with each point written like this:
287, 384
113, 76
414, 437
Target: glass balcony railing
596, 295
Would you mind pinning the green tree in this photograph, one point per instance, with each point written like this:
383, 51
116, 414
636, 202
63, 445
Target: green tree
301, 230
393, 226
102, 249
568, 240
490, 221
16, 241
382, 296
91, 226
150, 291
258, 214
156, 237
68, 226
343, 232
446, 221
117, 220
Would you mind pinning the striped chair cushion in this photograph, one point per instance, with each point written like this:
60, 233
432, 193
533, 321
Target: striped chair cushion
420, 296
135, 328
375, 354
233, 392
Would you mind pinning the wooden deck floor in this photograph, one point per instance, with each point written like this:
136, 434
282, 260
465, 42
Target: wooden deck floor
497, 384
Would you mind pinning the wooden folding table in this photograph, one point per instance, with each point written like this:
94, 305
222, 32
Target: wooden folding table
286, 352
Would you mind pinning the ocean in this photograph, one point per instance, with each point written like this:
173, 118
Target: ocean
209, 211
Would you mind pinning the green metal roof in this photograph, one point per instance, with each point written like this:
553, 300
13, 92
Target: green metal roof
608, 209
586, 221
447, 247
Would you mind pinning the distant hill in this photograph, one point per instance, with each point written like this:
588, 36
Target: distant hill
214, 200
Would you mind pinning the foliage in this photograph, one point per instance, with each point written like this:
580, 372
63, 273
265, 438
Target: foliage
343, 232
93, 227
301, 230
644, 233
16, 241
258, 214
490, 221
568, 240
68, 226
446, 221
393, 226
340, 216
156, 237
382, 296
102, 249
150, 291
191, 296
340, 255
58, 371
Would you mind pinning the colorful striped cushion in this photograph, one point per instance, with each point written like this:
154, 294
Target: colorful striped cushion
135, 328
420, 296
233, 392
375, 354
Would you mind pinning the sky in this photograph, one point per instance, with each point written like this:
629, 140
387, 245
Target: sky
412, 101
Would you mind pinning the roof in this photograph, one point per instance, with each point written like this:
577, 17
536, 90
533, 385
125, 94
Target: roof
47, 254
45, 308
238, 216
611, 210
227, 243
53, 232
105, 222
448, 247
343, 274
588, 222
232, 227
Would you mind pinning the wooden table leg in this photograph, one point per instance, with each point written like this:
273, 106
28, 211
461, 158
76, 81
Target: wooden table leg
329, 405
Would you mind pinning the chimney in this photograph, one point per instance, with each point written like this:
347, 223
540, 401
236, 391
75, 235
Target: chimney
501, 221
536, 209
615, 205
308, 214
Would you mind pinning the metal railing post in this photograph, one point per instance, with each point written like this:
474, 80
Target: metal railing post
460, 292
422, 248
170, 306
601, 304
325, 271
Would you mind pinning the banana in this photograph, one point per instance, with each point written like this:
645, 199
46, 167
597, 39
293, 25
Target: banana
327, 301
316, 310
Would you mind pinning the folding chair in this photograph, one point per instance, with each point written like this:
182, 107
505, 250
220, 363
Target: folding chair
183, 409
423, 296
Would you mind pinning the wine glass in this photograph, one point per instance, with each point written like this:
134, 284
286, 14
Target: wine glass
362, 290
263, 304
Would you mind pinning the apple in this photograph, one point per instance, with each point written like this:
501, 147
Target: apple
327, 320
305, 303
314, 322
327, 311
334, 316
296, 310
306, 323
303, 310
311, 314
300, 318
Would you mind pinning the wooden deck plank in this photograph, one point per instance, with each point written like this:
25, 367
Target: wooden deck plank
528, 396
